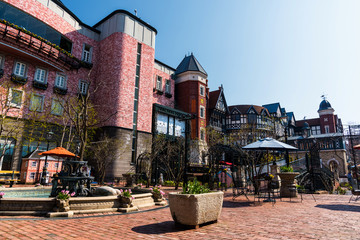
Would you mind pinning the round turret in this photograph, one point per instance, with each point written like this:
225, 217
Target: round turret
324, 105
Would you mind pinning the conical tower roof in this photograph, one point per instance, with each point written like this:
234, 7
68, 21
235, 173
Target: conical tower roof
190, 63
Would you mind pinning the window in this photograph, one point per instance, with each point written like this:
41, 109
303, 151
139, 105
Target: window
202, 134
56, 165
158, 83
60, 81
57, 107
15, 98
327, 129
32, 175
315, 130
20, 69
83, 87
2, 60
202, 90
87, 50
40, 75
33, 164
36, 103
168, 86
202, 112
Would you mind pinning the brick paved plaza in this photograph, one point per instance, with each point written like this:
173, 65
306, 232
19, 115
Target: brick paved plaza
330, 217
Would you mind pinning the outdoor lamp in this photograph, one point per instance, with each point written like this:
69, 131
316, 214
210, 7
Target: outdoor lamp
49, 136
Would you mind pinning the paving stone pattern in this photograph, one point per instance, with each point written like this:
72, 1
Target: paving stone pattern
330, 217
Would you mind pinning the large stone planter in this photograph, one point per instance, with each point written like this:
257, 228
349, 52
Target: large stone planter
288, 187
195, 209
62, 205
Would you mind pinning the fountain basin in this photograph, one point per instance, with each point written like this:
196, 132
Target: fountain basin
78, 205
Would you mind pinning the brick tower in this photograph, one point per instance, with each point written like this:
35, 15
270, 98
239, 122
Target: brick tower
327, 117
191, 96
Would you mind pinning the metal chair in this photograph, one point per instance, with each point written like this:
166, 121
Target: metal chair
355, 192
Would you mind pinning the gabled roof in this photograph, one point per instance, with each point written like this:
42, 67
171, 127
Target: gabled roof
290, 116
245, 108
273, 107
190, 63
214, 97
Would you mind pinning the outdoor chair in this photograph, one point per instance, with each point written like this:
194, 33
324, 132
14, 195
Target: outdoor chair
239, 189
355, 191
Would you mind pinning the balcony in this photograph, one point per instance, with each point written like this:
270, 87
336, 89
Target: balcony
29, 42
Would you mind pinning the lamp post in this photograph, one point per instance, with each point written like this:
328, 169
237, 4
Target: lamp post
49, 136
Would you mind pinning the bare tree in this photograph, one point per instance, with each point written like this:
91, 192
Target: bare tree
102, 154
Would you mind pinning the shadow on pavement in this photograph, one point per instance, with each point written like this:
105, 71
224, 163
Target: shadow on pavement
340, 207
236, 204
159, 228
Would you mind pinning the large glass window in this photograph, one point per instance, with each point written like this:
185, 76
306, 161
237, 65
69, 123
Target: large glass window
30, 23
57, 107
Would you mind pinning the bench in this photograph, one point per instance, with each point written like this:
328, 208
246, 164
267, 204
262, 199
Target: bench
9, 176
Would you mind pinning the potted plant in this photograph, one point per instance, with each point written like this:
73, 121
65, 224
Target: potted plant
126, 198
62, 201
287, 177
195, 205
157, 193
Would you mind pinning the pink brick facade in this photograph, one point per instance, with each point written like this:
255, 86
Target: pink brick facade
114, 59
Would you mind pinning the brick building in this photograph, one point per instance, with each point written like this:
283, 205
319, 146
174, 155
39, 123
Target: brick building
48, 54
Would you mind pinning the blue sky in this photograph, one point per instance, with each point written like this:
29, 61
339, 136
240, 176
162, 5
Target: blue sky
262, 51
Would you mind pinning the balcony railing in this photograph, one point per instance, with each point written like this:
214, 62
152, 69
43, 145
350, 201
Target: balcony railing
37, 45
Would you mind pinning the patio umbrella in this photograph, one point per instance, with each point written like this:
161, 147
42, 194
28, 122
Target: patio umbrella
269, 144
58, 151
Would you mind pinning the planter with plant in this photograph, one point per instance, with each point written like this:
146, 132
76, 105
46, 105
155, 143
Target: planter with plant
2, 194
195, 205
287, 177
157, 193
62, 201
126, 198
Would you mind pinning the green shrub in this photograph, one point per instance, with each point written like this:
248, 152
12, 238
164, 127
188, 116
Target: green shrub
194, 187
286, 169
169, 183
340, 190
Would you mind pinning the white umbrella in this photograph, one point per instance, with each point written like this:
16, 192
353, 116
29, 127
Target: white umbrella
269, 144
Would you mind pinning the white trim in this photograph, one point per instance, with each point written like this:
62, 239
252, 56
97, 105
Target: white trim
20, 64
42, 102
65, 80
10, 98
46, 72
202, 107
202, 87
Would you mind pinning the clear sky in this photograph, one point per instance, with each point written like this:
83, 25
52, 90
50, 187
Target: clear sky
262, 51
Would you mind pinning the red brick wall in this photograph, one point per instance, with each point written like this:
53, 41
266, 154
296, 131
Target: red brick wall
330, 122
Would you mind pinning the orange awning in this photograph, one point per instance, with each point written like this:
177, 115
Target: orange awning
59, 151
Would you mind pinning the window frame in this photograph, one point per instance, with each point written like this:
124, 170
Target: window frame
85, 84
10, 103
167, 86
2, 61
202, 113
33, 163
45, 75
32, 175
61, 103
25, 69
42, 102
65, 80
202, 90
89, 53
158, 80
